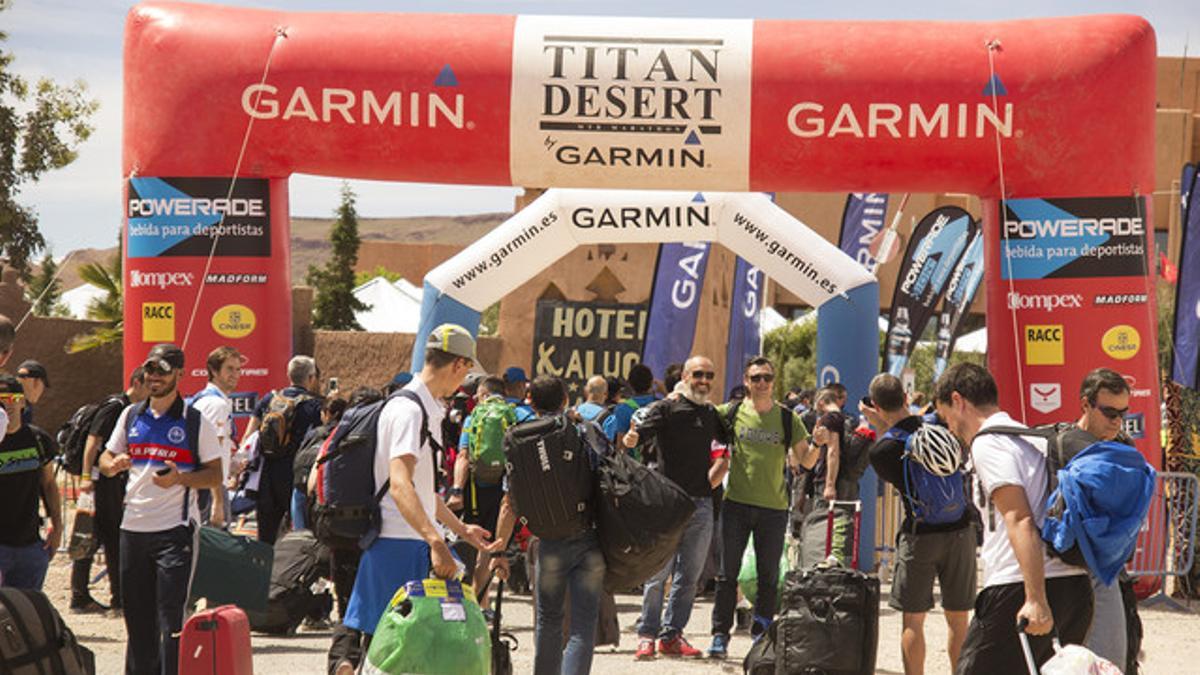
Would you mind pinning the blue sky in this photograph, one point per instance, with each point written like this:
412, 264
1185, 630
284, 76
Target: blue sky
68, 39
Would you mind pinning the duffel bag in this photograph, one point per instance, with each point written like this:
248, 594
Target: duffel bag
830, 622
433, 627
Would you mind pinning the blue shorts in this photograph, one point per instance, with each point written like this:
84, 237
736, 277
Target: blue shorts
384, 568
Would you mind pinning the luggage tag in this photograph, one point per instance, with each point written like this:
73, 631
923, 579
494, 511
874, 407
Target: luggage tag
450, 594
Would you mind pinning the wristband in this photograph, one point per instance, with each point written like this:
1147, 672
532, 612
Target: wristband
95, 473
454, 492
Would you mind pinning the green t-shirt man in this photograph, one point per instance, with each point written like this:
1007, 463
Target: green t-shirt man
756, 474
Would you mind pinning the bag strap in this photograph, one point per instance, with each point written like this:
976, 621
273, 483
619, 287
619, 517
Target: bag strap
426, 437
785, 414
35, 654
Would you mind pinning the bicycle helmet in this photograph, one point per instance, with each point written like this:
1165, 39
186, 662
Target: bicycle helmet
936, 449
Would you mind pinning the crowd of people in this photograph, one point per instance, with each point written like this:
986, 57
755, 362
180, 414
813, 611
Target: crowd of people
159, 464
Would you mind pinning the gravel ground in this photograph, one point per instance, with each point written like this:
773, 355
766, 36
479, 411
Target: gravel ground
1170, 645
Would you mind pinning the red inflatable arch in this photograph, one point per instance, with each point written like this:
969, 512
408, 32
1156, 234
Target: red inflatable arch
1051, 119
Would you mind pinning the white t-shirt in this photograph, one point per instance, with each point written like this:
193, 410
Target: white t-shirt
148, 507
399, 434
1002, 460
218, 409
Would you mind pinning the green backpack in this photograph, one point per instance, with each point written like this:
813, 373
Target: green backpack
485, 449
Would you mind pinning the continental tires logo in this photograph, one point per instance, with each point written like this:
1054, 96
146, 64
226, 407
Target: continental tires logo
663, 103
1044, 345
1121, 342
233, 321
158, 322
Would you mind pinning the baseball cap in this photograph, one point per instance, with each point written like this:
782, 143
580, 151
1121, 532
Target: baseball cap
10, 385
165, 357
402, 378
33, 369
452, 339
515, 374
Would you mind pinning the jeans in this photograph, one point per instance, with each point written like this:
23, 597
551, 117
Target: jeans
684, 569
156, 575
574, 564
1107, 637
738, 522
24, 566
299, 507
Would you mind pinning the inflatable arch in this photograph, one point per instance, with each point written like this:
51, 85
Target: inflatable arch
1049, 121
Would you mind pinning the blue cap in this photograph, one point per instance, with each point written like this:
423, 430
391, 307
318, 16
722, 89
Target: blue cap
515, 374
402, 379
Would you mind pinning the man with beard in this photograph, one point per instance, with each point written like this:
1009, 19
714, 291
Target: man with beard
170, 451
685, 428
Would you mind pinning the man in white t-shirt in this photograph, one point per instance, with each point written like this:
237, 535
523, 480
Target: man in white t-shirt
1021, 583
410, 542
224, 365
170, 451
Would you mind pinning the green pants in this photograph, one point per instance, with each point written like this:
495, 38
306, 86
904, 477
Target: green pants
813, 534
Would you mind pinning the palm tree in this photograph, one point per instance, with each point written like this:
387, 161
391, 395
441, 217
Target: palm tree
109, 308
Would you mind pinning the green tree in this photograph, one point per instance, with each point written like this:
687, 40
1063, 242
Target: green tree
380, 271
44, 290
793, 349
41, 126
108, 308
335, 304
489, 321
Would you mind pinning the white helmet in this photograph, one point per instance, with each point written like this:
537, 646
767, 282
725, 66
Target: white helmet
936, 449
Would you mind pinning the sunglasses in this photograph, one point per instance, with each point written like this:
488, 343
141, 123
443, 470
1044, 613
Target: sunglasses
159, 367
11, 397
703, 375
1112, 413
765, 377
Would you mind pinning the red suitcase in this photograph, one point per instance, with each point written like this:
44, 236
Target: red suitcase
216, 642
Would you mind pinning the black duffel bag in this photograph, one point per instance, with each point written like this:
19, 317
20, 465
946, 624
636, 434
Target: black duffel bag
830, 622
640, 517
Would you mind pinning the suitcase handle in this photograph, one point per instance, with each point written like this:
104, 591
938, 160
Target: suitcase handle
1022, 624
831, 509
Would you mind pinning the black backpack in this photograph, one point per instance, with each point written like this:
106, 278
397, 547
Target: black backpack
641, 515
277, 434
345, 512
306, 456
550, 478
299, 561
36, 640
73, 434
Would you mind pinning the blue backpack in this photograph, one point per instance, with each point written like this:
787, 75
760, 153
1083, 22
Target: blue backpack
934, 500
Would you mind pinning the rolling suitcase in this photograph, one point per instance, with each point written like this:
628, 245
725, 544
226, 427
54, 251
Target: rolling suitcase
830, 619
216, 642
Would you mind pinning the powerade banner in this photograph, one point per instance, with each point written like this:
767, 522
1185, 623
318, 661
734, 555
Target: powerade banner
959, 295
1187, 288
745, 336
1067, 325
576, 340
938, 241
674, 304
1080, 238
174, 293
862, 220
182, 217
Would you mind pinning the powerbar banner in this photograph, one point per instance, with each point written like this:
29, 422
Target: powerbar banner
938, 241
1076, 305
1187, 288
171, 225
964, 283
674, 304
862, 220
183, 216
745, 335
576, 340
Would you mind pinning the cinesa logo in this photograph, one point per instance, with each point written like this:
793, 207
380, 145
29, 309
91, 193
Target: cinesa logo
1049, 302
233, 321
163, 280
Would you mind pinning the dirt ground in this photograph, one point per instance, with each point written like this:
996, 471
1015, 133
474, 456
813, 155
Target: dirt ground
1170, 645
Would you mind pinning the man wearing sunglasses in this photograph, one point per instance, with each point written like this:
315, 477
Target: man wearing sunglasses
25, 477
171, 452
686, 427
756, 500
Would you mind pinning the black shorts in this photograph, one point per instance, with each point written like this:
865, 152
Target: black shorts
992, 645
920, 558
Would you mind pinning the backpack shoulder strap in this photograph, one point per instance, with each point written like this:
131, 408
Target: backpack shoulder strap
426, 436
785, 413
135, 412
192, 427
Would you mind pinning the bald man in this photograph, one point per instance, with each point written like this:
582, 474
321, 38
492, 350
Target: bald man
596, 390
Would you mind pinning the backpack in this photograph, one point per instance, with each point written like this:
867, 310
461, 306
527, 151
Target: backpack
306, 456
550, 478
73, 434
345, 512
485, 450
36, 640
609, 410
276, 435
933, 499
300, 560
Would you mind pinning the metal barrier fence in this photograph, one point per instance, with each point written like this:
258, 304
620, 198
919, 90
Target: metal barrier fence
1167, 545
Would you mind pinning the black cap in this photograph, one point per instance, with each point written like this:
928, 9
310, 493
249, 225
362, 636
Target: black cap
10, 385
33, 369
165, 357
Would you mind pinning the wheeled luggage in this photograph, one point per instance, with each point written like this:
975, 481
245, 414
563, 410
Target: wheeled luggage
216, 642
232, 570
34, 639
830, 618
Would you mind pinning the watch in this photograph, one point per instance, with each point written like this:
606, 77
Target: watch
454, 492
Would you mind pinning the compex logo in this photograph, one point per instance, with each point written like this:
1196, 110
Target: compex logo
1047, 302
163, 280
